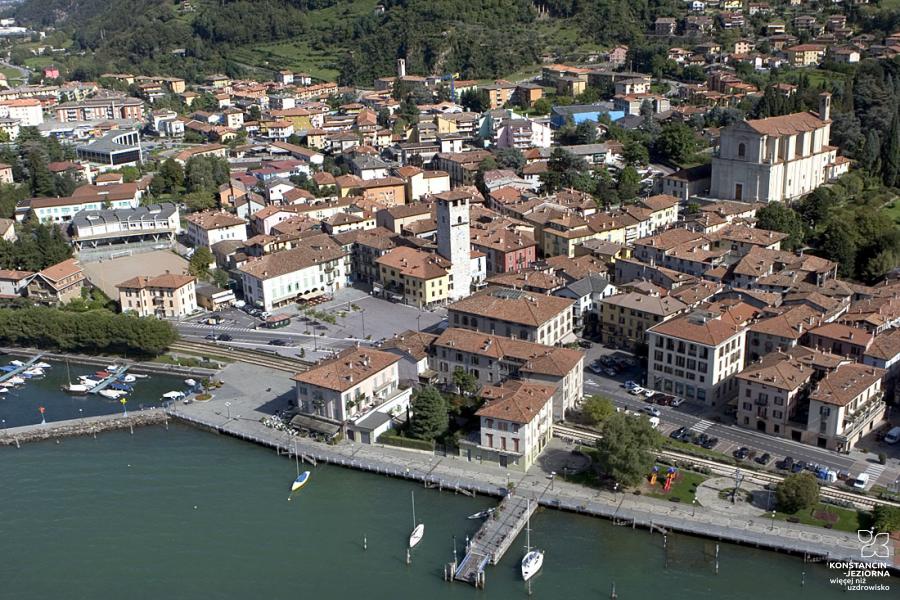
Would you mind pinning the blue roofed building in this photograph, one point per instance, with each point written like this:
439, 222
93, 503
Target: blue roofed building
580, 113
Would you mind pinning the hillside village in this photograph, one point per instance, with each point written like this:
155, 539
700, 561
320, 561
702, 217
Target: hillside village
656, 207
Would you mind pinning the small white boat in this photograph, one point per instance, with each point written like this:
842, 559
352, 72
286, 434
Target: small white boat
76, 388
173, 395
15, 380
137, 375
17, 363
35, 372
301, 480
88, 381
111, 394
6, 384
190, 382
42, 365
112, 368
418, 529
484, 514
127, 379
4, 390
533, 559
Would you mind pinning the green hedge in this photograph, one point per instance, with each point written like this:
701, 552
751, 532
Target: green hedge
392, 439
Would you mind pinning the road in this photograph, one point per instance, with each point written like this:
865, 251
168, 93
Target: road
731, 437
24, 73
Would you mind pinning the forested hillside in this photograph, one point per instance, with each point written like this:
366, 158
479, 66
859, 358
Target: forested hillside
477, 38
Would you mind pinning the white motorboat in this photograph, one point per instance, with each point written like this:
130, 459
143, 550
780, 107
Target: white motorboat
533, 559
418, 529
88, 381
35, 372
484, 514
174, 395
76, 388
4, 390
190, 382
111, 394
17, 363
15, 380
112, 368
127, 379
42, 365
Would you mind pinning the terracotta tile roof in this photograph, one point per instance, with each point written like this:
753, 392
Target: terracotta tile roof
541, 281
885, 346
670, 239
652, 305
843, 385
699, 328
578, 267
411, 342
844, 333
787, 124
13, 275
516, 401
313, 251
169, 281
61, 270
692, 294
211, 219
659, 202
412, 262
777, 370
347, 369
514, 306
790, 324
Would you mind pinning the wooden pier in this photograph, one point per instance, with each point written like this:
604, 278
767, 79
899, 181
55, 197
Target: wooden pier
494, 538
18, 370
109, 379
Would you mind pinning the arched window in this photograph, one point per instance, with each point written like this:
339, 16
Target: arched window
459, 219
742, 150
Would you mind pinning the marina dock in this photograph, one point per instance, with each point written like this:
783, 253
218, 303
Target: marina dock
109, 379
494, 538
24, 367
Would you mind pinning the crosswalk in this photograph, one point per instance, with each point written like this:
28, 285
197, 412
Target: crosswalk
701, 426
874, 471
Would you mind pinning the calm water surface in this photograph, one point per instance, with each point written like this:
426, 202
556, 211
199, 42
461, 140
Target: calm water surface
188, 514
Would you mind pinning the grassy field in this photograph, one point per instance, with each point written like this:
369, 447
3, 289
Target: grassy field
11, 74
893, 209
842, 519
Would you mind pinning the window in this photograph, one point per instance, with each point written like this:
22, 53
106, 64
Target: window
742, 150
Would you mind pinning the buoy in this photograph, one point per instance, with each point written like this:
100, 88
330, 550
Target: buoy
195, 507
365, 543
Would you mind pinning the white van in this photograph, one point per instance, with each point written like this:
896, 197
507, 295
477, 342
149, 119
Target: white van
862, 480
893, 436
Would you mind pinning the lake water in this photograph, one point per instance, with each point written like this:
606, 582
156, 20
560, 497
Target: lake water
21, 406
188, 514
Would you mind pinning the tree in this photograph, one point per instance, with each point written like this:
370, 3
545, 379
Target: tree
200, 200
886, 518
676, 142
840, 243
598, 409
220, 278
796, 492
777, 216
635, 153
542, 106
430, 416
625, 452
169, 178
566, 170
200, 261
510, 158
629, 183
205, 173
464, 381
476, 100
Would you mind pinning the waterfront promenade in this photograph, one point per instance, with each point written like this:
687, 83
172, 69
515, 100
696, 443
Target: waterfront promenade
247, 406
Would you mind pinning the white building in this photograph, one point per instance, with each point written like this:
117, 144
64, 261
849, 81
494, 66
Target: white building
454, 243
210, 227
27, 111
515, 424
359, 388
696, 356
315, 267
776, 159
524, 134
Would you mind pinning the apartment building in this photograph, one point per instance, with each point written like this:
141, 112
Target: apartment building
515, 314
100, 109
696, 356
211, 227
164, 296
625, 318
413, 276
57, 284
845, 405
492, 359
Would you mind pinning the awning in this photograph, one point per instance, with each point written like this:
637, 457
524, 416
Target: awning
317, 424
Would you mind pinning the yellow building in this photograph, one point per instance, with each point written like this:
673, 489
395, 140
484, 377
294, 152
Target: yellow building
806, 55
414, 276
625, 317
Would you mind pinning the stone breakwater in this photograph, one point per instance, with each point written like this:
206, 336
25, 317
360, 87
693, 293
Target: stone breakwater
80, 427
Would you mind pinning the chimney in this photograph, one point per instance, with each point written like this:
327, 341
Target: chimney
825, 106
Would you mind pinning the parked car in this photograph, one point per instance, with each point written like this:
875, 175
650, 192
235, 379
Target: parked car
710, 443
648, 393
652, 410
764, 459
278, 342
610, 372
630, 384
786, 464
861, 481
678, 433
657, 398
211, 336
741, 453
596, 369
798, 466
636, 390
676, 401
584, 343
224, 337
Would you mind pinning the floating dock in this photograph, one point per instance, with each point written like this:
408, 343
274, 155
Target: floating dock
494, 538
108, 380
24, 367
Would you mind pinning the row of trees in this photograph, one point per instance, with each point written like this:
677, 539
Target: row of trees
93, 332
38, 247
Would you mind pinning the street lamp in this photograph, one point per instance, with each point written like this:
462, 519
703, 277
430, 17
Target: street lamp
552, 477
362, 313
694, 507
228, 409
772, 526
419, 321
738, 479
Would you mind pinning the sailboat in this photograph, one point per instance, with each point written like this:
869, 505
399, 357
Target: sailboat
302, 478
74, 388
418, 529
484, 514
533, 559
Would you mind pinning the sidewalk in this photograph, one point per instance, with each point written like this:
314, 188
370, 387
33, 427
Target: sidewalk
243, 420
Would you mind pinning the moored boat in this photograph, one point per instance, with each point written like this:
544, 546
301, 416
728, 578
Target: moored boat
111, 394
190, 382
17, 363
301, 480
484, 514
76, 388
42, 365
